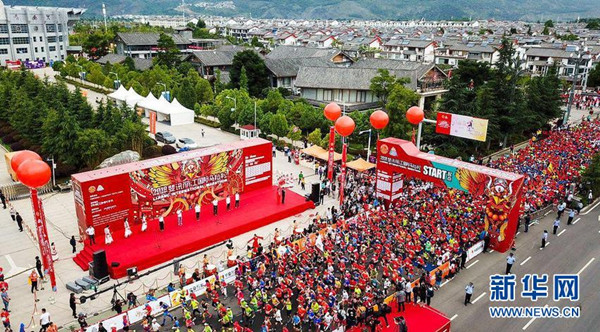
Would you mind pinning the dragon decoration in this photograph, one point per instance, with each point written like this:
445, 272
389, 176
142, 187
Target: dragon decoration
500, 199
180, 185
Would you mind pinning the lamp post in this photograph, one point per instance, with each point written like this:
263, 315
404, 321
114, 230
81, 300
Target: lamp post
81, 73
117, 81
234, 103
53, 169
368, 144
255, 128
164, 85
572, 92
420, 129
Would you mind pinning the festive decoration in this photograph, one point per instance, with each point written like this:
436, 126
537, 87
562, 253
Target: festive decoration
415, 115
34, 173
332, 111
21, 156
331, 153
345, 126
379, 119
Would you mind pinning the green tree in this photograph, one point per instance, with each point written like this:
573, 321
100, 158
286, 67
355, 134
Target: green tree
256, 71
594, 76
168, 53
201, 24
255, 43
129, 64
546, 31
243, 79
60, 135
382, 84
272, 102
204, 92
400, 99
590, 179
549, 24
279, 125
94, 145
294, 134
96, 44
186, 95
315, 137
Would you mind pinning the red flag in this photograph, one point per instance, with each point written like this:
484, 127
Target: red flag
343, 177
42, 235
331, 153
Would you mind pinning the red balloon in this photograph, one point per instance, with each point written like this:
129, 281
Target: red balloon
332, 111
21, 156
34, 173
415, 115
345, 126
379, 119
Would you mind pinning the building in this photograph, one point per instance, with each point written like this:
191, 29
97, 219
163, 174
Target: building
35, 33
452, 54
539, 59
145, 44
409, 49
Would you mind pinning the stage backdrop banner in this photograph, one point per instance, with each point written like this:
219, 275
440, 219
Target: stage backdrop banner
461, 126
502, 189
163, 185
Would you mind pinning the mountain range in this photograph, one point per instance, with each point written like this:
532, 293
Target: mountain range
528, 10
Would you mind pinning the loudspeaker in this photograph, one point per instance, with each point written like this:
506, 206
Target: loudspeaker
315, 193
100, 265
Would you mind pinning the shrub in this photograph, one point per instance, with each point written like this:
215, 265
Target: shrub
17, 146
168, 149
36, 148
25, 143
9, 138
152, 151
64, 170
207, 122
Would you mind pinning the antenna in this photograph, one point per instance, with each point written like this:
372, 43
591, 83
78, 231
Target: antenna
104, 14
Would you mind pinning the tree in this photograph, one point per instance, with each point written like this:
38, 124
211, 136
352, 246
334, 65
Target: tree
294, 134
279, 125
546, 31
400, 99
590, 178
129, 64
168, 53
186, 95
60, 135
594, 76
204, 92
272, 102
219, 86
549, 24
95, 146
256, 71
243, 79
201, 24
382, 84
315, 137
255, 43
96, 44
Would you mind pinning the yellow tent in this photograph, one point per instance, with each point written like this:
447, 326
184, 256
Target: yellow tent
318, 152
360, 165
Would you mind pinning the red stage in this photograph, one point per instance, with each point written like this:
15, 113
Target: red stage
144, 250
422, 319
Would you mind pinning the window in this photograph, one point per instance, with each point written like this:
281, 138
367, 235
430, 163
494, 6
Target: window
59, 27
35, 49
51, 48
361, 96
22, 50
50, 28
3, 51
19, 28
51, 39
61, 47
60, 38
41, 39
20, 40
42, 49
34, 39
4, 41
3, 28
327, 95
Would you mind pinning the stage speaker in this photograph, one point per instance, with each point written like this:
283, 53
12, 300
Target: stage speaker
315, 193
100, 265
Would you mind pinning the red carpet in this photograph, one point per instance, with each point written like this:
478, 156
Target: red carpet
144, 250
422, 319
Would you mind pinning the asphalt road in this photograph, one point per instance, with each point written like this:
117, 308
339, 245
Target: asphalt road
574, 250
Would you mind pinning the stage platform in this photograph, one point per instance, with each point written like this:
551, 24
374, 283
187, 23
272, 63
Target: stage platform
144, 250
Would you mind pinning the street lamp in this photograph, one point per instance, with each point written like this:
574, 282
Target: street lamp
81, 73
572, 92
234, 103
53, 168
164, 85
369, 144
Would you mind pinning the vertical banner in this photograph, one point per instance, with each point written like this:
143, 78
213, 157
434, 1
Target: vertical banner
343, 175
153, 123
331, 153
42, 235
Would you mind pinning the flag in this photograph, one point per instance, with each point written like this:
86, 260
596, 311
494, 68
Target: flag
550, 168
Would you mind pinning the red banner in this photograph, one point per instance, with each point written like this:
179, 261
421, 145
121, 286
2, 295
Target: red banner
153, 123
443, 123
503, 190
42, 235
331, 153
343, 173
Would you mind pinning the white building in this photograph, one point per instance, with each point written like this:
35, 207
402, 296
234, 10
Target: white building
35, 33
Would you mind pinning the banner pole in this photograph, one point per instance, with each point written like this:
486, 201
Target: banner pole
42, 235
419, 135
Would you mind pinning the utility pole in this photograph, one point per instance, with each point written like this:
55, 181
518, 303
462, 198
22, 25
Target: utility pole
572, 93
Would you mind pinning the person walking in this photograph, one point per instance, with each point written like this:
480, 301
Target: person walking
527, 222
300, 177
73, 243
400, 299
179, 217
19, 220
161, 223
228, 202
544, 239
44, 320
408, 291
401, 324
5, 315
91, 233
73, 304
429, 294
215, 204
555, 225
510, 260
469, 292
237, 200
197, 211
5, 299
3, 199
38, 266
33, 280
282, 195
571, 216
13, 213
560, 209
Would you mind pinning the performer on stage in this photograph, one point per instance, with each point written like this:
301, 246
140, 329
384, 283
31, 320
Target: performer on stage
108, 239
127, 228
179, 217
197, 210
144, 223
53, 252
237, 199
215, 204
161, 223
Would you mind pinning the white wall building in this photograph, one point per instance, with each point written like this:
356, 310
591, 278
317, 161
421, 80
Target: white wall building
35, 33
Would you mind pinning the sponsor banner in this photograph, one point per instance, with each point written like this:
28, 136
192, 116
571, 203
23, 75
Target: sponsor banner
475, 250
199, 287
152, 123
461, 126
331, 153
42, 236
228, 275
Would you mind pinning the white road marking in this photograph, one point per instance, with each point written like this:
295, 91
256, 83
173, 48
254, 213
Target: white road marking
525, 261
492, 250
547, 213
531, 321
445, 282
599, 217
576, 220
475, 262
586, 265
453, 317
560, 233
518, 233
479, 297
593, 207
14, 269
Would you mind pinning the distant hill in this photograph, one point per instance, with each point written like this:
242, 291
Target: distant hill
531, 10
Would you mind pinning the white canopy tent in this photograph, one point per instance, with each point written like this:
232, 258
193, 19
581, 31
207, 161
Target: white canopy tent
174, 113
181, 114
148, 104
133, 98
120, 95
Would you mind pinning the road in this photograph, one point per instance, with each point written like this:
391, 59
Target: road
568, 253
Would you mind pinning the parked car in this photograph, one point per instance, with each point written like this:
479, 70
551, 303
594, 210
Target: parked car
186, 143
165, 137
